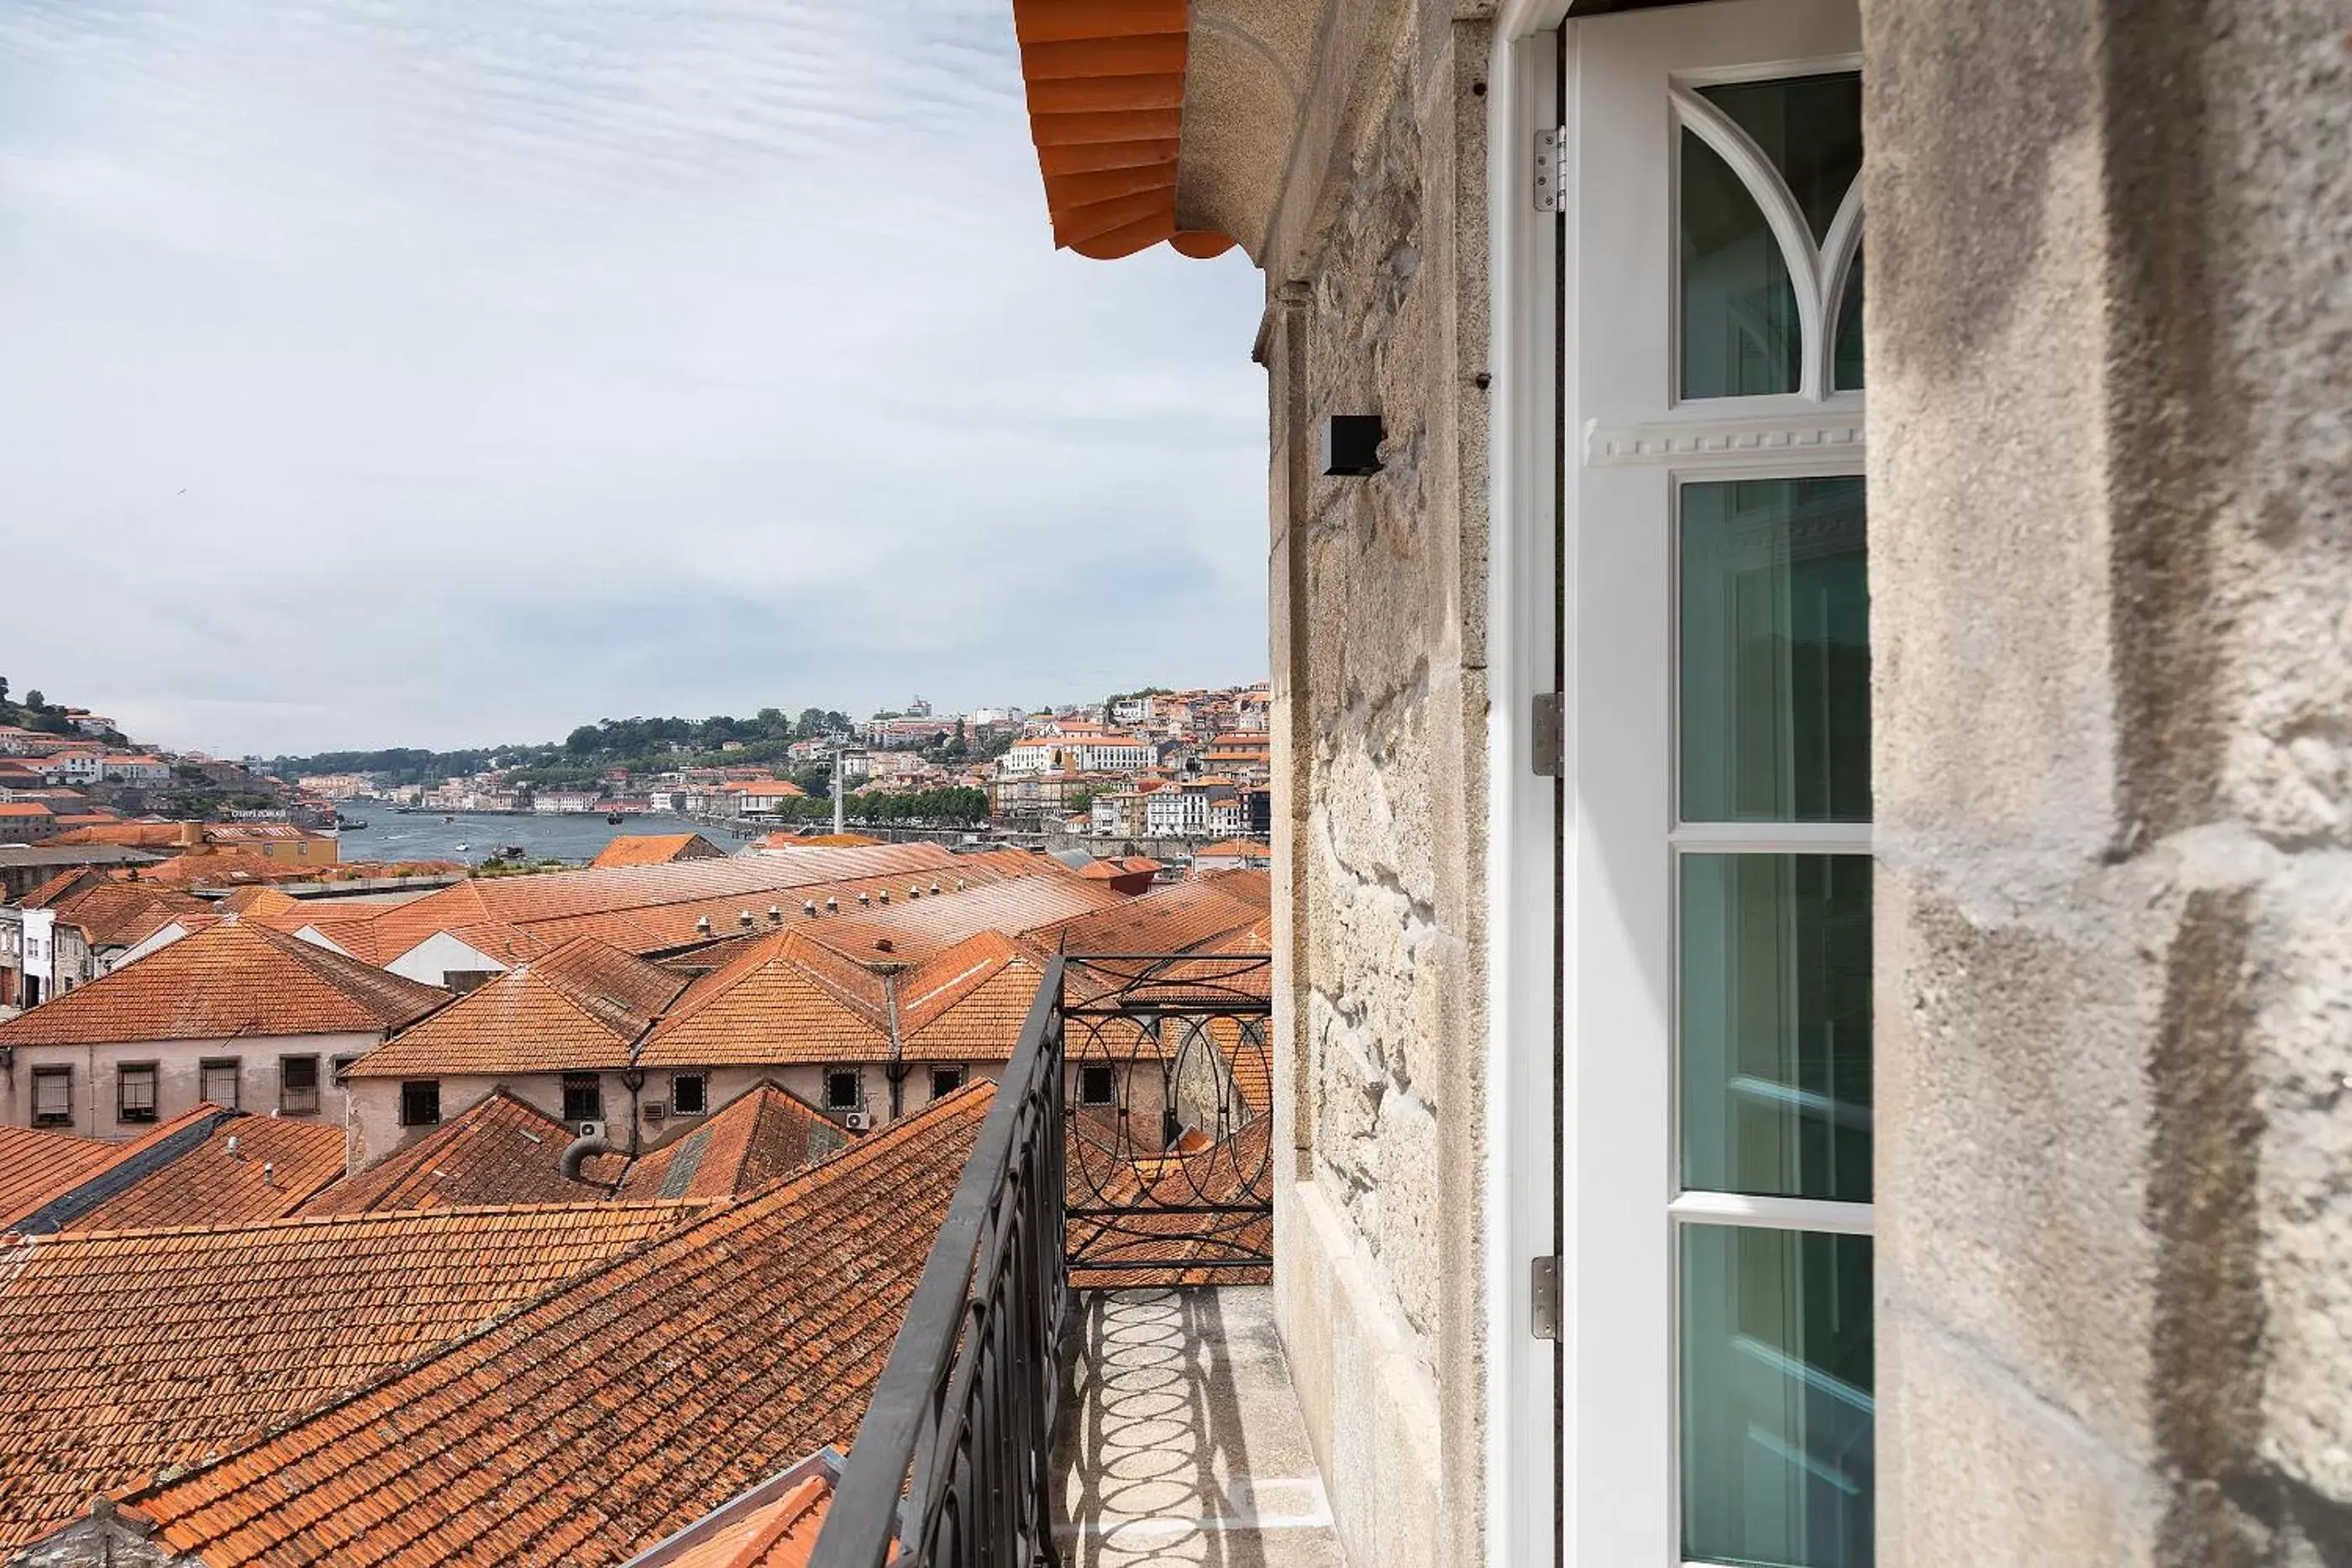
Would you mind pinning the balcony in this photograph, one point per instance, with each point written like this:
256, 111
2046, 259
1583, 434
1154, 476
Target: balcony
1088, 1372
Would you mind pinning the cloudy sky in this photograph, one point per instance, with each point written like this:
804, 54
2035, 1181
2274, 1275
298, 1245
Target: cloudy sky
411, 373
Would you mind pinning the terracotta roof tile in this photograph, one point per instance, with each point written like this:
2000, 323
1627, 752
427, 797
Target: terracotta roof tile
781, 1533
654, 849
123, 913
585, 1427
581, 1005
131, 1351
763, 1134
38, 1166
1106, 89
645, 909
917, 931
782, 1000
205, 1184
1167, 919
498, 1150
232, 979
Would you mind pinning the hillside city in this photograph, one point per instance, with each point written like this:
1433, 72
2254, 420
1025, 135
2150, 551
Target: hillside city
1765, 983
773, 1008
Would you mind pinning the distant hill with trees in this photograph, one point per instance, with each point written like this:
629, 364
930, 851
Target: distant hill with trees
35, 711
589, 752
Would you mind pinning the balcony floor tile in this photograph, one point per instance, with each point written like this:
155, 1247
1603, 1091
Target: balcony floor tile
1182, 1442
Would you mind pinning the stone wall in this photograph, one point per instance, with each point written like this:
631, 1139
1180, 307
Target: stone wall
2110, 350
1379, 590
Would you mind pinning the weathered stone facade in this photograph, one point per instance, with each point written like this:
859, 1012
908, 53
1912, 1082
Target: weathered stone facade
2110, 348
1378, 597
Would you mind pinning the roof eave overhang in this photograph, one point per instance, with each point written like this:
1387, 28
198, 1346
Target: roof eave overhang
1105, 92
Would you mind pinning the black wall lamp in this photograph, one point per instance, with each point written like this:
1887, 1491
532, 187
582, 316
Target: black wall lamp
1351, 443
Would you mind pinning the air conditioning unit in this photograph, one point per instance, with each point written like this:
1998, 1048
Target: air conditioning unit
656, 1112
856, 1120
589, 1129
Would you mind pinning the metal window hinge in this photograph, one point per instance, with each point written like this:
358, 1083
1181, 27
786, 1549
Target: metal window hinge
1543, 1298
1544, 747
1548, 172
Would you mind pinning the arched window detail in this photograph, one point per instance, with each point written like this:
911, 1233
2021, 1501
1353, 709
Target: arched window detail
1770, 209
1846, 356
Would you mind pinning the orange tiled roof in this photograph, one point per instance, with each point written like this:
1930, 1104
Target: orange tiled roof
584, 1427
57, 887
581, 1005
1106, 83
817, 842
279, 1164
124, 914
764, 1132
1169, 919
781, 1533
498, 1151
644, 909
258, 901
228, 868
1225, 848
1114, 866
232, 979
38, 1166
785, 1000
163, 1347
503, 1150
968, 1003
917, 931
654, 849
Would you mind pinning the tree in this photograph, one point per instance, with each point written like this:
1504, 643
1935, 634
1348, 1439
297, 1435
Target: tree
583, 740
4, 691
34, 700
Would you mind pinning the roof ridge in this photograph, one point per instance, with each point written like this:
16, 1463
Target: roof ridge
444, 1214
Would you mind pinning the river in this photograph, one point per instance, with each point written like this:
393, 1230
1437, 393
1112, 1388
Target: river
571, 836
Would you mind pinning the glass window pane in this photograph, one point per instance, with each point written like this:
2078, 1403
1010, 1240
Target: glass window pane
1846, 373
1775, 666
1775, 1026
1740, 333
1776, 1397
1811, 129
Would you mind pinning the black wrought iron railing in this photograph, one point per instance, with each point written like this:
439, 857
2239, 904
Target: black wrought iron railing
1129, 1144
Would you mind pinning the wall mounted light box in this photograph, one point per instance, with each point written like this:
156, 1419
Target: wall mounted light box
1351, 443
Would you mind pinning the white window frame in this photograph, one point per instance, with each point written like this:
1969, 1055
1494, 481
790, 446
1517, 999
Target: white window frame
1552, 1494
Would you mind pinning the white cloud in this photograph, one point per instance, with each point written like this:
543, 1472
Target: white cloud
384, 373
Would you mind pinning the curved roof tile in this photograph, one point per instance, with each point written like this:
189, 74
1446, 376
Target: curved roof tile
1106, 86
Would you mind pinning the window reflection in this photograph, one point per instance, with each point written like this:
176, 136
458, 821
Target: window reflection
1741, 335
1774, 678
1777, 1441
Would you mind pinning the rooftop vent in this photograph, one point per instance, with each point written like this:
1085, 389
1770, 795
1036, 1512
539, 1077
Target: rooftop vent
236, 1147
832, 907
809, 909
883, 896
775, 916
914, 892
744, 916
935, 889
864, 898
702, 923
882, 944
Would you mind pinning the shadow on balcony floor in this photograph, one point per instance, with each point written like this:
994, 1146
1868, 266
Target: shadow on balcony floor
1181, 1443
